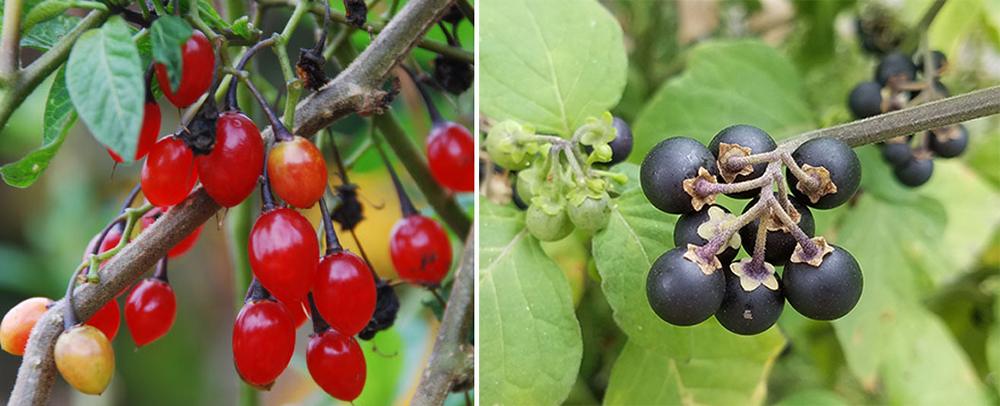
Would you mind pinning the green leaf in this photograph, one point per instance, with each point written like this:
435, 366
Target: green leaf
813, 397
890, 333
105, 81
44, 11
44, 35
664, 364
59, 118
243, 28
530, 343
168, 35
551, 64
725, 83
993, 348
696, 368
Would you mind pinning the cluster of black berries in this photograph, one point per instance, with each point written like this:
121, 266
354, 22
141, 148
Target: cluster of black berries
896, 86
699, 278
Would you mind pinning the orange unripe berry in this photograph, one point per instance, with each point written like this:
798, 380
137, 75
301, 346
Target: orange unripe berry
85, 359
18, 322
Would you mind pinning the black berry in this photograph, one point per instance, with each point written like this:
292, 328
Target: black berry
746, 136
938, 60
949, 142
680, 293
896, 153
865, 100
838, 160
778, 245
895, 68
454, 76
665, 168
915, 172
826, 292
686, 231
749, 312
621, 146
386, 307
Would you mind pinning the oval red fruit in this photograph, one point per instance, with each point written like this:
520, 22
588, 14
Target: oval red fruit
147, 134
337, 364
107, 319
451, 156
297, 172
420, 250
196, 72
150, 311
284, 253
344, 291
168, 173
230, 172
263, 342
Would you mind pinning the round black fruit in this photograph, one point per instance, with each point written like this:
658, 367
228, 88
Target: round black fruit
916, 172
680, 293
839, 160
746, 136
896, 153
621, 146
826, 292
454, 76
952, 143
895, 67
686, 230
665, 168
865, 100
749, 312
938, 60
779, 244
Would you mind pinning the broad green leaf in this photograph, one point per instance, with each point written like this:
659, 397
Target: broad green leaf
59, 118
530, 344
704, 364
993, 349
890, 334
694, 369
725, 83
168, 35
549, 63
105, 81
44, 35
812, 398
44, 11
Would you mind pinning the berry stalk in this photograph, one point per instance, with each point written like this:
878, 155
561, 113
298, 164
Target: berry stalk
808, 246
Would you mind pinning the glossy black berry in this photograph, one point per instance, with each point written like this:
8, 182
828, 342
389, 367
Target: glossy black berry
779, 244
896, 153
951, 142
895, 67
838, 159
680, 293
747, 136
454, 76
621, 146
826, 292
749, 312
865, 100
938, 60
665, 168
686, 231
916, 172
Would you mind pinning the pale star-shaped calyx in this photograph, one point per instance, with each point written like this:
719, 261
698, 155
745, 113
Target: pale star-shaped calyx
825, 185
707, 266
690, 186
729, 151
719, 221
824, 248
752, 275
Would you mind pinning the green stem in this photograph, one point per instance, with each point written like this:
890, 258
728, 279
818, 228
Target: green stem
292, 83
131, 217
158, 6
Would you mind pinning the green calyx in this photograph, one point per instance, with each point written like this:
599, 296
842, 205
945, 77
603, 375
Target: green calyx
510, 145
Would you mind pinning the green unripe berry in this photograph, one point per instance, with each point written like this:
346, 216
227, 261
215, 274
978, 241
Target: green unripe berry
592, 214
504, 147
547, 221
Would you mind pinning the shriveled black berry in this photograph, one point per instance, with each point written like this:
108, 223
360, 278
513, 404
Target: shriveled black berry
454, 76
826, 292
916, 172
938, 62
686, 230
665, 168
621, 146
749, 312
746, 136
779, 244
680, 293
357, 12
386, 307
895, 67
454, 15
865, 100
951, 142
896, 153
349, 212
838, 159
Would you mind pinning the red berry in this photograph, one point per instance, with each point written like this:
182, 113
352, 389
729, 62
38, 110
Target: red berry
168, 173
344, 291
107, 319
297, 312
182, 247
337, 364
263, 342
111, 239
451, 155
150, 311
196, 72
147, 135
230, 172
284, 253
297, 172
420, 250
18, 322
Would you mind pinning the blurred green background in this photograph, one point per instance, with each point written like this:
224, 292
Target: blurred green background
44, 230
